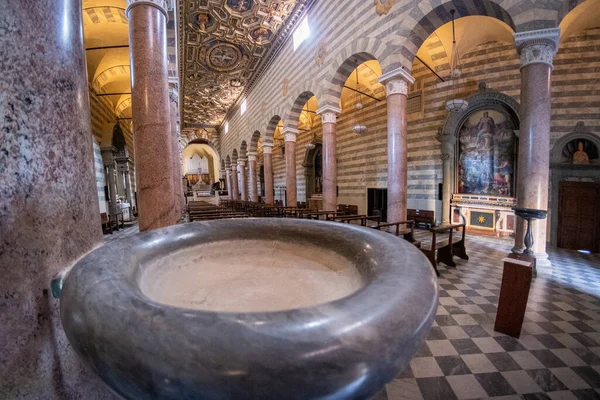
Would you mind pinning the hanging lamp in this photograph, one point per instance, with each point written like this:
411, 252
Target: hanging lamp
455, 104
358, 127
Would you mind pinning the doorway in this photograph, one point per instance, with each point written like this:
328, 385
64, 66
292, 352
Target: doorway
377, 203
579, 216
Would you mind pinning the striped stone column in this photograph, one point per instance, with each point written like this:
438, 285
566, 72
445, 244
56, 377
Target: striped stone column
536, 50
290, 135
396, 87
267, 147
328, 119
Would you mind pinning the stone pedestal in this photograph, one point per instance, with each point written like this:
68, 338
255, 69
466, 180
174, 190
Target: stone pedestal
252, 177
536, 49
396, 86
49, 214
151, 114
329, 118
268, 169
234, 182
243, 179
290, 135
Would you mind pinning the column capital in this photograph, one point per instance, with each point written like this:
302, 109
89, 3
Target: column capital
242, 162
329, 114
290, 134
234, 167
396, 81
160, 4
267, 148
251, 156
537, 47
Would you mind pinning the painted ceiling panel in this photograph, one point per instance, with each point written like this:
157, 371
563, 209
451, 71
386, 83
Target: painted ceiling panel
225, 44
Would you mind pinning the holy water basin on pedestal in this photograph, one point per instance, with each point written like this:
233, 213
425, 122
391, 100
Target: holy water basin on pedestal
250, 308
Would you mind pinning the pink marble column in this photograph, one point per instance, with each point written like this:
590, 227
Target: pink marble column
49, 215
179, 201
234, 182
396, 86
290, 135
267, 147
252, 176
243, 179
229, 186
151, 114
329, 118
537, 50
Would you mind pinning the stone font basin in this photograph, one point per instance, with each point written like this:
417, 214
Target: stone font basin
250, 308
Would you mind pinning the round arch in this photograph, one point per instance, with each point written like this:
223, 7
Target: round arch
404, 56
271, 126
293, 115
254, 141
201, 150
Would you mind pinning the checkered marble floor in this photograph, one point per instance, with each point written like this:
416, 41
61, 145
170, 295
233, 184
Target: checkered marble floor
556, 357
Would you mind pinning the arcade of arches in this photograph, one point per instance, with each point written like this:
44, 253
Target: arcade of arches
118, 113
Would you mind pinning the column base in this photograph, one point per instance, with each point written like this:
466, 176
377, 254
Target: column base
517, 250
542, 260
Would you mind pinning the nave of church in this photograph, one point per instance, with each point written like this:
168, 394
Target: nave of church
300, 199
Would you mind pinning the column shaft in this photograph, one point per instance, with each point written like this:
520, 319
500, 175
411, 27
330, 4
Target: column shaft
175, 159
268, 169
290, 167
533, 165
243, 180
396, 85
152, 126
49, 214
329, 119
252, 178
234, 182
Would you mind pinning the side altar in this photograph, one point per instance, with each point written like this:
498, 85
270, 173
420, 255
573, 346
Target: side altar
485, 214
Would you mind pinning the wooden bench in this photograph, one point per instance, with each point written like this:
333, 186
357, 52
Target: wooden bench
446, 249
318, 214
364, 219
426, 217
407, 232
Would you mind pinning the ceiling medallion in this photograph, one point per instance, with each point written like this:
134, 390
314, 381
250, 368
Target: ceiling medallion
235, 82
202, 21
240, 6
223, 57
321, 53
260, 35
383, 6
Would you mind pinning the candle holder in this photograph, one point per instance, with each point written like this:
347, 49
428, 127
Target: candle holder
530, 214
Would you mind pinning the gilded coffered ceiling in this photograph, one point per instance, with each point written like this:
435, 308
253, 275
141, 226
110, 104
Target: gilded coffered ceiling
225, 44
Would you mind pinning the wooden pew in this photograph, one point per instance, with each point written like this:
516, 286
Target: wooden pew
407, 232
318, 214
364, 219
426, 217
106, 225
446, 249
